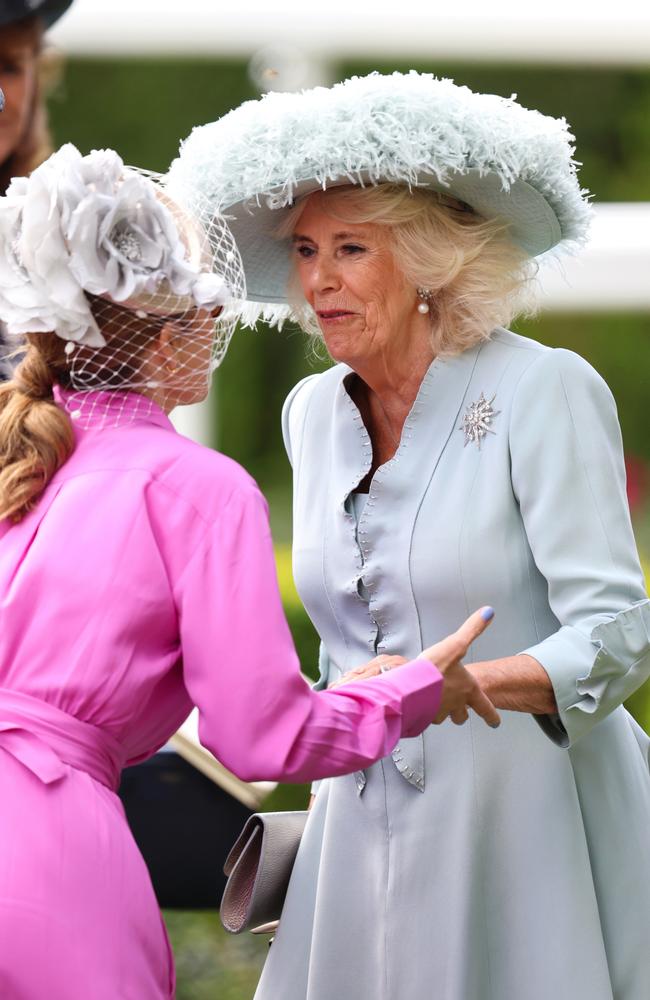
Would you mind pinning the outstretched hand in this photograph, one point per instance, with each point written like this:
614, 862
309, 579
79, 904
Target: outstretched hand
461, 690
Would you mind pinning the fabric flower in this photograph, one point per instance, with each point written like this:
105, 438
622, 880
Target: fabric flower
89, 224
19, 303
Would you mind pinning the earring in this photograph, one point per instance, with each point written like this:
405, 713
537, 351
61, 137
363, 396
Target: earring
171, 368
424, 295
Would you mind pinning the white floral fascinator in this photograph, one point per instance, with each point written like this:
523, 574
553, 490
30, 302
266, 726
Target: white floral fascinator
82, 230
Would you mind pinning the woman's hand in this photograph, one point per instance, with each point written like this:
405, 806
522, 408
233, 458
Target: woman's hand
379, 665
461, 690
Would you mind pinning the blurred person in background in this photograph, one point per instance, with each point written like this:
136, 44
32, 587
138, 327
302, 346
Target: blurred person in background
137, 575
440, 459
24, 136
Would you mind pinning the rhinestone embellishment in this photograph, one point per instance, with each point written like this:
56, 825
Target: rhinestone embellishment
127, 244
477, 420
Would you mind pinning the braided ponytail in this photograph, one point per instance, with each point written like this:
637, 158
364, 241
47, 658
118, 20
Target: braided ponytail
36, 435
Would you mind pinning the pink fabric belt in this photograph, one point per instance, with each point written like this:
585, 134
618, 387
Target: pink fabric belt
46, 739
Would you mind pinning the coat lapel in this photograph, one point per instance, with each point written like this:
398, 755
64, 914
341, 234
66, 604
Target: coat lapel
396, 495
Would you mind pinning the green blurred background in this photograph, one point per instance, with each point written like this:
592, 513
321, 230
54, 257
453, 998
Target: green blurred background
142, 107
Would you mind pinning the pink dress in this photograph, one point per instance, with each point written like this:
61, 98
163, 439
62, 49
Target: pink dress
144, 583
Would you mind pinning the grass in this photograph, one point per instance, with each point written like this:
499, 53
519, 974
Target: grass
210, 963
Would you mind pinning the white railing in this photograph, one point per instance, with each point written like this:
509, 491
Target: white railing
558, 31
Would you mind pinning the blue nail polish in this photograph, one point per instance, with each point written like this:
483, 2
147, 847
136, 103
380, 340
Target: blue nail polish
487, 614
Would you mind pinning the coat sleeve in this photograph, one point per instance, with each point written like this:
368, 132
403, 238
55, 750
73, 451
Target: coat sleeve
568, 475
256, 712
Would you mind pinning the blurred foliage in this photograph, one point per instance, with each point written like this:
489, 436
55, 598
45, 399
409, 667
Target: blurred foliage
143, 107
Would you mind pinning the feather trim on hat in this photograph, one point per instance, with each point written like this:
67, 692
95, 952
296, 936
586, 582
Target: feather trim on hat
377, 128
390, 127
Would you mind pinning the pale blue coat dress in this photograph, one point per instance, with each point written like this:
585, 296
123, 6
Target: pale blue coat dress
478, 864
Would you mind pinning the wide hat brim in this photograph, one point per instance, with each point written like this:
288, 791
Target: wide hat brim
505, 161
48, 11
530, 220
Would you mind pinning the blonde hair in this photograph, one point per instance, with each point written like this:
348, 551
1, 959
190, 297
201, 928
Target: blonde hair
36, 435
478, 278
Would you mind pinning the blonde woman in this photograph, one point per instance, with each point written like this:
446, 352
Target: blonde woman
440, 459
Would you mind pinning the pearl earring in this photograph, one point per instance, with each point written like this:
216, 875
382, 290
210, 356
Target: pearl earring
424, 295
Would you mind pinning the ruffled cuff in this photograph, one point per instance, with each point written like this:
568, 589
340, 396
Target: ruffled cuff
593, 673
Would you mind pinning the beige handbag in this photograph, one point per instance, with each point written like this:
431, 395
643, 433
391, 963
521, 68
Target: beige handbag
259, 868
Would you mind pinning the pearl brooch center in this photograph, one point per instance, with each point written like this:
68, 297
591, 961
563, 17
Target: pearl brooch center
478, 419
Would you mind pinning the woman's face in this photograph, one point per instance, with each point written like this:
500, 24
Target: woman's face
18, 62
188, 365
364, 305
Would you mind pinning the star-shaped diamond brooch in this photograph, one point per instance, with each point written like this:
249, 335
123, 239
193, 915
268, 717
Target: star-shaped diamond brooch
477, 420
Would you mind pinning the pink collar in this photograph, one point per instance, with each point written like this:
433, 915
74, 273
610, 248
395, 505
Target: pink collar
98, 408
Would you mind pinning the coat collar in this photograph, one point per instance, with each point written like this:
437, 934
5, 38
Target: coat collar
435, 414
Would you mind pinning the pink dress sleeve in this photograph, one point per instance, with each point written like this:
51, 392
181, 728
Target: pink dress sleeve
257, 713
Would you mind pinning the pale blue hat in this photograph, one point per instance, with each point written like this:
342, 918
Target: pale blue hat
498, 157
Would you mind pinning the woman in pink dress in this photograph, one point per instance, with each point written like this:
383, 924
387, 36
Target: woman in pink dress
137, 577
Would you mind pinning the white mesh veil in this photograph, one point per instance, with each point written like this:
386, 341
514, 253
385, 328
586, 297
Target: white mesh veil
144, 283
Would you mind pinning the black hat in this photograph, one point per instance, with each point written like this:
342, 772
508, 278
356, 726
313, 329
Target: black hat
49, 11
